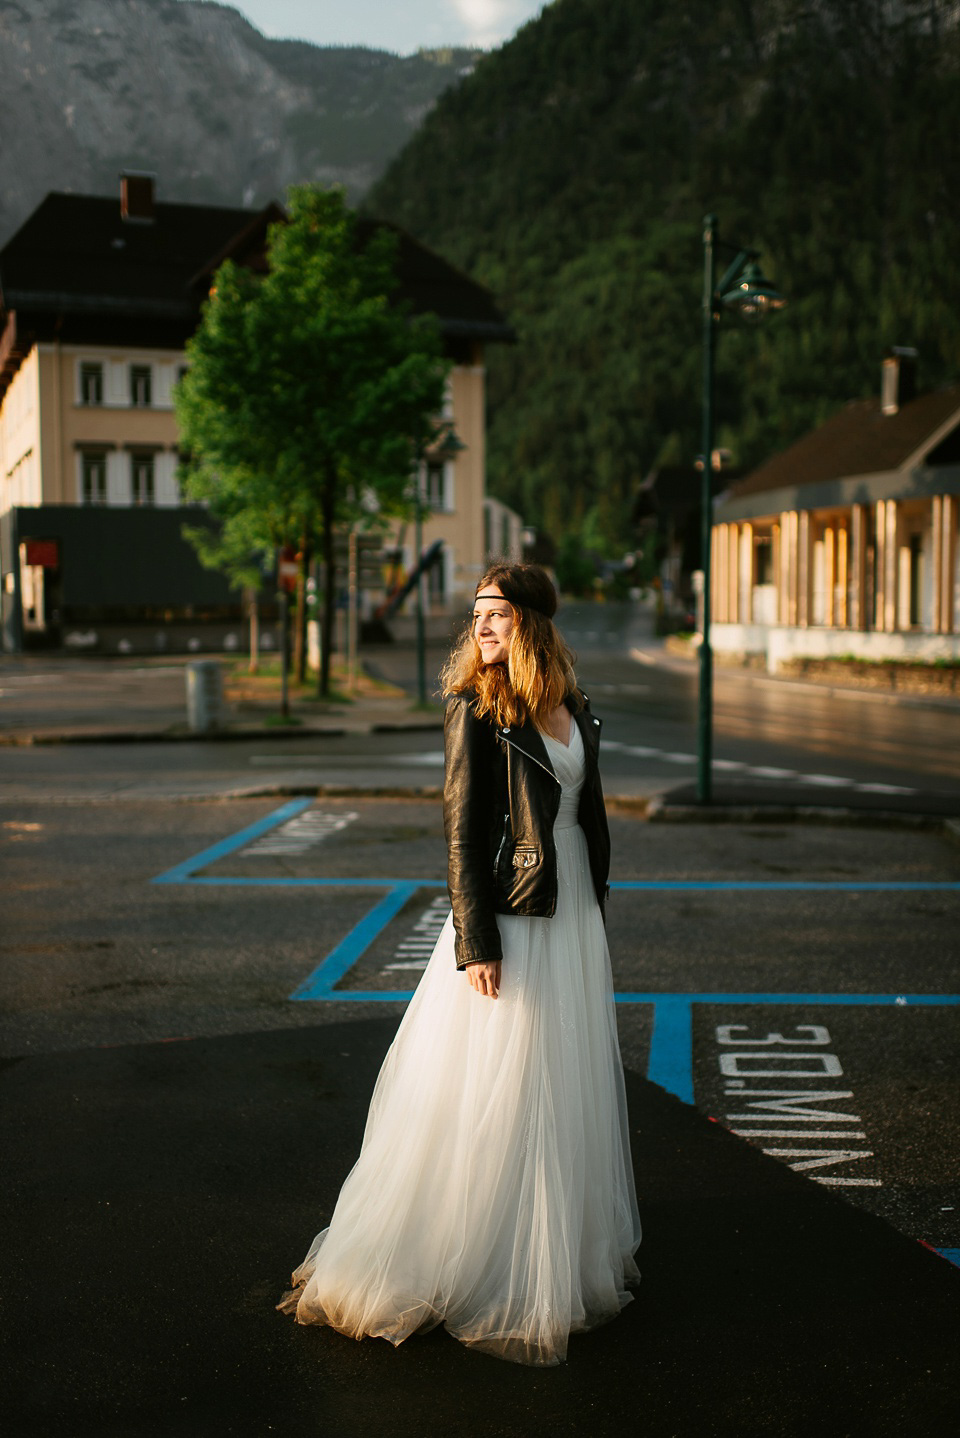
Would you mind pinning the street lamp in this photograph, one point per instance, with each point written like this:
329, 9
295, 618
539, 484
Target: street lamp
744, 289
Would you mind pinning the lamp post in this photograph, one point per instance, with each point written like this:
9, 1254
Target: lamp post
742, 288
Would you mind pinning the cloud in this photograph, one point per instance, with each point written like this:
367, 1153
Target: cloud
490, 21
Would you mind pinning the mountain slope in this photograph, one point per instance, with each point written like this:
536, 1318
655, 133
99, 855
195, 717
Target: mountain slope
196, 93
571, 171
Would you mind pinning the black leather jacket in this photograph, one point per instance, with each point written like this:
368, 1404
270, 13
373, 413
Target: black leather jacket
500, 799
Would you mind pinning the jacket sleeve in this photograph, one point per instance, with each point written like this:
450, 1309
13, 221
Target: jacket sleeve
468, 822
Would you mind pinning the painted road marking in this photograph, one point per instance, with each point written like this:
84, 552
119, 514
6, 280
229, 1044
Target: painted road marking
414, 951
756, 771
670, 1060
812, 1138
299, 834
739, 1062
185, 873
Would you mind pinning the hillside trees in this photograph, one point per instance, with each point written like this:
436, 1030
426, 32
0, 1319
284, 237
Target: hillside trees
571, 172
310, 391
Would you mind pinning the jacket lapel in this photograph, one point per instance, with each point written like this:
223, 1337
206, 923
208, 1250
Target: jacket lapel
590, 734
527, 739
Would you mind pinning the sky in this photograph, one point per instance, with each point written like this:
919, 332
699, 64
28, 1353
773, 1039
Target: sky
399, 25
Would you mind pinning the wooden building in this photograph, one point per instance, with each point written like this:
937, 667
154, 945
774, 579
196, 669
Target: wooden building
847, 542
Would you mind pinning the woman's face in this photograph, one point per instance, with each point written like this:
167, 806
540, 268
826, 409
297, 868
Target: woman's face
493, 625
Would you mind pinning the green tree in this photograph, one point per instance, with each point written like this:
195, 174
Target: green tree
237, 548
310, 389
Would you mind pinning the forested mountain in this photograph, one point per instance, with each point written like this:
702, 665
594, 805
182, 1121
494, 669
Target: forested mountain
196, 93
571, 172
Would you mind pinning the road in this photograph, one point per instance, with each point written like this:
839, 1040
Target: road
775, 741
196, 997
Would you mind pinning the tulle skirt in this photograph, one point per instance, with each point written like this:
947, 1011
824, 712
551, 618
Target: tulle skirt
494, 1190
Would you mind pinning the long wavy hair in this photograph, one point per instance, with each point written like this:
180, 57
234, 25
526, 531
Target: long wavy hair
538, 674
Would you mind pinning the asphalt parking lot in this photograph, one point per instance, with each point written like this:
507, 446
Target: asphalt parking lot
196, 1001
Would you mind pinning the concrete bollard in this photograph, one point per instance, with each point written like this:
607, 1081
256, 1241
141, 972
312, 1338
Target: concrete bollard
204, 696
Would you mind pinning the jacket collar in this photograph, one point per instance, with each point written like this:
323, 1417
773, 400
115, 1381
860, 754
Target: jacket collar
589, 732
526, 737
528, 740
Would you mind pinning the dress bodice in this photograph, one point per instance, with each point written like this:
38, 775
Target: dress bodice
569, 767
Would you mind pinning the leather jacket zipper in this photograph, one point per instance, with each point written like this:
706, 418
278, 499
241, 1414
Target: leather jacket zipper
503, 845
531, 757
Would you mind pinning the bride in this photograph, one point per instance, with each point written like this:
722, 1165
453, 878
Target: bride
494, 1189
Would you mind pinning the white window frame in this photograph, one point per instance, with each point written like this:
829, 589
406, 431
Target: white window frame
141, 373
443, 504
90, 459
90, 370
143, 465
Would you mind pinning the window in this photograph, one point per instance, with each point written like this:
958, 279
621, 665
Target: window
141, 385
94, 478
91, 384
435, 485
437, 583
142, 471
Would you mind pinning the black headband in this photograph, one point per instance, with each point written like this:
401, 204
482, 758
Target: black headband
517, 604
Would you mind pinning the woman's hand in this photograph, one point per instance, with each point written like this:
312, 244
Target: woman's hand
485, 978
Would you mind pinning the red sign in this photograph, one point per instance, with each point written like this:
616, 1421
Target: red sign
44, 553
288, 568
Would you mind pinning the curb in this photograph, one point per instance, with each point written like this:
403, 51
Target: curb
659, 812
167, 736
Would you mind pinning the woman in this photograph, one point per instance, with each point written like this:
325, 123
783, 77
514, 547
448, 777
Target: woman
494, 1191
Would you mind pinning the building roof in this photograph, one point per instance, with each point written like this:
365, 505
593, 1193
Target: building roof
858, 440
76, 253
433, 286
76, 256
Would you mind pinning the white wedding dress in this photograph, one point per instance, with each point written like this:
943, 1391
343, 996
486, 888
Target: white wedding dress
494, 1190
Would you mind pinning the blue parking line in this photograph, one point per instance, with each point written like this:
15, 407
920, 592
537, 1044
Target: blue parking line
281, 881
952, 1255
183, 873
899, 1000
319, 984
839, 886
670, 1063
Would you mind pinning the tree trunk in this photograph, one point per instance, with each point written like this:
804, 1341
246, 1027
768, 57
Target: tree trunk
328, 511
300, 621
253, 612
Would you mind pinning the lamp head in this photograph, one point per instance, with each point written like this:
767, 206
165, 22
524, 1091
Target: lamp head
753, 296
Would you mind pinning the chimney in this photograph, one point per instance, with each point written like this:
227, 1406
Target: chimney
898, 378
137, 197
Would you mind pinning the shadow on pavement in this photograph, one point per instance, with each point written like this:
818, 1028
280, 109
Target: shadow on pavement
158, 1197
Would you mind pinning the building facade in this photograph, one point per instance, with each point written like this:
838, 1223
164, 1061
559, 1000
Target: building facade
847, 543
97, 302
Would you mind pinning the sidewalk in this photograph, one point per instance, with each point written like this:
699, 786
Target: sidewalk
684, 659
54, 700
